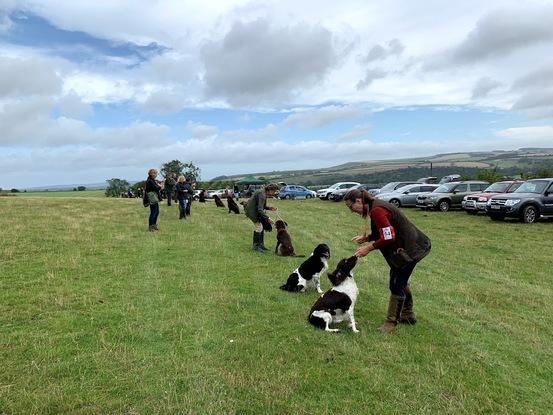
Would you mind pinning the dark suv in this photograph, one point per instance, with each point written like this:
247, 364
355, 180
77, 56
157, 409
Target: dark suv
449, 195
532, 200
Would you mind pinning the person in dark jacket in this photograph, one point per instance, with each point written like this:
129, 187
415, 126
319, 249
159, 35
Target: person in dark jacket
151, 192
401, 243
255, 211
184, 190
169, 187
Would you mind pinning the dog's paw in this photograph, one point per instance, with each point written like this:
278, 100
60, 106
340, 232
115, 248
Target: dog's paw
355, 330
333, 330
320, 291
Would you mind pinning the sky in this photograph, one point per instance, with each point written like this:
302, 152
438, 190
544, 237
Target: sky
93, 90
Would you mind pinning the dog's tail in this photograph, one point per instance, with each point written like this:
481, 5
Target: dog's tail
298, 256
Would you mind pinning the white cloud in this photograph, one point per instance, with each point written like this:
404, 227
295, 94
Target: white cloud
257, 62
323, 116
24, 77
484, 86
543, 135
202, 131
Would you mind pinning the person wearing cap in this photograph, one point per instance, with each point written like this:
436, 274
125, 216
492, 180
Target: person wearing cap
255, 211
401, 243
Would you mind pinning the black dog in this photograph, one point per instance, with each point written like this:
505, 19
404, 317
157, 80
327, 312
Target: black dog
232, 206
337, 304
218, 201
284, 241
309, 272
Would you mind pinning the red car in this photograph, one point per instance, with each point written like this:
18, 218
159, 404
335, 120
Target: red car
475, 203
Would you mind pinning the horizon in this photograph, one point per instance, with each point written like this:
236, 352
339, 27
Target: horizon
243, 86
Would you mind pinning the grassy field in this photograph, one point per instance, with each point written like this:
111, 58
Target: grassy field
68, 193
98, 316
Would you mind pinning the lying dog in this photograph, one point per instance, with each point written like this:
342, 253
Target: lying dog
232, 206
337, 304
309, 272
284, 241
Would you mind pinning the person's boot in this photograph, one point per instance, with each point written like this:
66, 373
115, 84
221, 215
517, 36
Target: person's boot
155, 227
395, 306
151, 228
407, 315
261, 243
257, 243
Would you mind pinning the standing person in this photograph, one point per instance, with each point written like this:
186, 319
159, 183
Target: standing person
183, 191
169, 187
152, 197
236, 191
401, 243
190, 196
255, 211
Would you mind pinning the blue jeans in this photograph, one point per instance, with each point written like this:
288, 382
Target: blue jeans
182, 205
154, 213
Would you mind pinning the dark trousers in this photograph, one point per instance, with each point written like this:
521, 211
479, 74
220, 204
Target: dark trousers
169, 195
399, 277
154, 213
188, 205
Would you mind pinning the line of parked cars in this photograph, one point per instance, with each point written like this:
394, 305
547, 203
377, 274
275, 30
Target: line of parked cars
527, 201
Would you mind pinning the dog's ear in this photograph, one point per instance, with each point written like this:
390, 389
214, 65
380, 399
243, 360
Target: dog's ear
285, 223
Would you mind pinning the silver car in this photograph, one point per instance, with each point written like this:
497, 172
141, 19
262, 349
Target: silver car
406, 196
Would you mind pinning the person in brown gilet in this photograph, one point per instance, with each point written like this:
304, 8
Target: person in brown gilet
401, 243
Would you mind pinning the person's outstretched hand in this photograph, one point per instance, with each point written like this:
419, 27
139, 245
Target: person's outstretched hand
273, 208
359, 239
363, 251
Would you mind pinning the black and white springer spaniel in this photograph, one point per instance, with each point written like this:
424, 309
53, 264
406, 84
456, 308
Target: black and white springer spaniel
336, 305
309, 272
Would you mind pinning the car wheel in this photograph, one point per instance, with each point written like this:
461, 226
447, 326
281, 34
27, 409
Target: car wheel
443, 205
288, 197
308, 196
496, 217
529, 214
395, 202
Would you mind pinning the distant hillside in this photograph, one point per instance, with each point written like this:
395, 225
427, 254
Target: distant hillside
508, 163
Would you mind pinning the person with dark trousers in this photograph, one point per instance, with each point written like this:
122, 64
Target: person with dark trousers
152, 197
169, 187
401, 243
255, 211
183, 189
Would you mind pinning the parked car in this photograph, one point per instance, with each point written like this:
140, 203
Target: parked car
450, 178
325, 193
197, 194
531, 201
293, 191
218, 192
406, 196
449, 195
339, 194
390, 187
477, 202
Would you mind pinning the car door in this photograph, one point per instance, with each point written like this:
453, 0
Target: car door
300, 192
548, 200
411, 197
460, 192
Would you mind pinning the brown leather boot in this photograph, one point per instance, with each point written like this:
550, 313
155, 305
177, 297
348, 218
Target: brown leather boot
407, 315
395, 305
151, 228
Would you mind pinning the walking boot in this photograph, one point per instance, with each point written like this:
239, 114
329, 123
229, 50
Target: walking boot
261, 243
151, 228
155, 227
257, 243
407, 315
395, 306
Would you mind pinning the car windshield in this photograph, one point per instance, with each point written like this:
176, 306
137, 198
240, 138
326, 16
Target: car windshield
389, 187
446, 188
537, 186
403, 188
497, 188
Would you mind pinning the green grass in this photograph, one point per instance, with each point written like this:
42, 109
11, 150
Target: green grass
65, 193
98, 316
